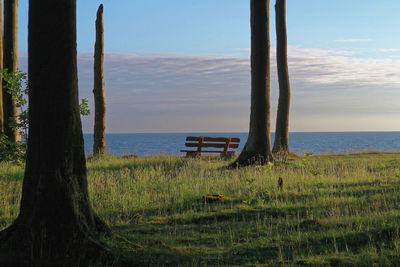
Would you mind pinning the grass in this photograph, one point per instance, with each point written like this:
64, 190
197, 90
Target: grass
333, 210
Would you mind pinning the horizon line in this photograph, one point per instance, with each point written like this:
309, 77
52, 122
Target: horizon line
201, 132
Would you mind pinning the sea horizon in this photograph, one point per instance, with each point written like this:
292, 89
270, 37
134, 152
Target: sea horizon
316, 142
247, 132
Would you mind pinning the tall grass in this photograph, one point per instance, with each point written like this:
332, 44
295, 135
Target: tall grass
10, 192
333, 210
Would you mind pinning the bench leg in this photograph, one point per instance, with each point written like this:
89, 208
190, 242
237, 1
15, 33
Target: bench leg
228, 155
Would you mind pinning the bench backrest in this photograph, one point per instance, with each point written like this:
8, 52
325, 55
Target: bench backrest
213, 142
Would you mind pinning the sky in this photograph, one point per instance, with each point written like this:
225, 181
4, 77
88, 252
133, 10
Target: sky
183, 65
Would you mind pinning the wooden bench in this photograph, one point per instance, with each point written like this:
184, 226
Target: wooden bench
201, 142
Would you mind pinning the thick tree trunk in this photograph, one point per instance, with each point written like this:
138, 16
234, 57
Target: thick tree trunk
56, 224
1, 70
99, 145
258, 147
281, 144
11, 64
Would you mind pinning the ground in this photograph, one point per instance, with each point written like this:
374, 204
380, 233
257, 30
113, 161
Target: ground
330, 210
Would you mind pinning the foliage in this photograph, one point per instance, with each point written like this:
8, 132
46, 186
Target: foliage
84, 107
265, 168
308, 153
11, 151
16, 84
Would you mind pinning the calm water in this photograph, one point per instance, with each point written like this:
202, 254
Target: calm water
319, 143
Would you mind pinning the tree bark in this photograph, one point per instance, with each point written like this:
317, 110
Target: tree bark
56, 225
1, 71
281, 144
10, 58
99, 145
258, 146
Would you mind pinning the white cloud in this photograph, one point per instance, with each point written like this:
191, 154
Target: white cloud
170, 92
354, 40
389, 50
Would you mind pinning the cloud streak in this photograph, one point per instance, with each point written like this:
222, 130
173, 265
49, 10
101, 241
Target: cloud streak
172, 92
389, 50
178, 92
353, 40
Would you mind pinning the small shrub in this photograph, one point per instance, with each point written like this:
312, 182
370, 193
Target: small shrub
308, 153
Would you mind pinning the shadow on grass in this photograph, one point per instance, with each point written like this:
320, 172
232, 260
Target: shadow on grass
174, 238
207, 213
19, 177
190, 205
294, 197
256, 253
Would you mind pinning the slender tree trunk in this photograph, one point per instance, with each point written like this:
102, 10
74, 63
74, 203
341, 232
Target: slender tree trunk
1, 70
11, 64
281, 144
258, 147
56, 225
99, 145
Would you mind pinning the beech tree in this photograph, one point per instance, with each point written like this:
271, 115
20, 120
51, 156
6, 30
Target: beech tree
56, 225
1, 71
258, 146
99, 145
281, 143
10, 57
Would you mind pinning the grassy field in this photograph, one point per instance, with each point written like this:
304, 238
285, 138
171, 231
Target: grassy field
333, 210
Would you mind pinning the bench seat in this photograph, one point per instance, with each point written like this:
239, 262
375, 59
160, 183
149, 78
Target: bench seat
225, 145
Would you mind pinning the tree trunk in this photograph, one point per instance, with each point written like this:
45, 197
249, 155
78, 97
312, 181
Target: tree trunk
1, 71
11, 64
99, 145
258, 146
56, 225
281, 144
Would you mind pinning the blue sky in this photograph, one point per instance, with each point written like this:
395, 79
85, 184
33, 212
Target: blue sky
183, 65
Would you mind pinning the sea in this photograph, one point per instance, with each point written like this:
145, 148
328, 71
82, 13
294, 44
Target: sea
319, 143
